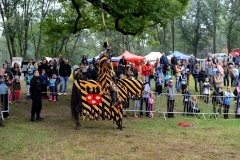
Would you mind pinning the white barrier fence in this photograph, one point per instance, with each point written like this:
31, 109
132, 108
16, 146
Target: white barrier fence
207, 107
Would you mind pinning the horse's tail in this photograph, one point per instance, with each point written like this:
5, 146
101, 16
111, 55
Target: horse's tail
74, 100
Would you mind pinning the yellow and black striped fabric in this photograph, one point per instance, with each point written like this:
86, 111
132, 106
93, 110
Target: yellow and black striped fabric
126, 88
133, 86
103, 66
92, 111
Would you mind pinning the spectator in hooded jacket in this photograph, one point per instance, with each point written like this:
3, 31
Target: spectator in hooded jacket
65, 72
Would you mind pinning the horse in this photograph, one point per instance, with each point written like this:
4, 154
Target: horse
89, 99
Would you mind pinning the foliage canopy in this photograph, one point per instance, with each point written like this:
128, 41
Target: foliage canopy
132, 17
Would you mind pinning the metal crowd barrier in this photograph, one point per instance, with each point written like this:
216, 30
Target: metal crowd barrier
205, 107
4, 105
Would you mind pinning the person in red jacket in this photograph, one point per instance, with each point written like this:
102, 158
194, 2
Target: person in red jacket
147, 70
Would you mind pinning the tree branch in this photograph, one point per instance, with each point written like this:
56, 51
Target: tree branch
76, 6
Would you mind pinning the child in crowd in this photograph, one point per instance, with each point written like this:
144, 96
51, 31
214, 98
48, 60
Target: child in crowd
206, 90
186, 101
16, 88
44, 80
159, 82
150, 104
167, 78
28, 78
194, 105
183, 79
52, 83
169, 70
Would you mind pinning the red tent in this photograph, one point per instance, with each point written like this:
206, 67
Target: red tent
133, 59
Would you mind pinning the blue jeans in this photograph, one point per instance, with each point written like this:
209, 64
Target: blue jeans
235, 83
141, 106
178, 84
196, 84
64, 81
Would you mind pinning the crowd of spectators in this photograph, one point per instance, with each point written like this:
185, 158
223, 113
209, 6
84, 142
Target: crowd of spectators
208, 81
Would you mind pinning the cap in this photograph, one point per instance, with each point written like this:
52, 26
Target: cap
29, 70
160, 67
16, 77
171, 81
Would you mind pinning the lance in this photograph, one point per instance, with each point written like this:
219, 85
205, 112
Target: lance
106, 37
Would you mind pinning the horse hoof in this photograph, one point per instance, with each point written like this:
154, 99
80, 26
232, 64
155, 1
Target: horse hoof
78, 127
120, 127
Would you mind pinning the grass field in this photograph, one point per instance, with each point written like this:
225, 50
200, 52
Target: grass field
146, 138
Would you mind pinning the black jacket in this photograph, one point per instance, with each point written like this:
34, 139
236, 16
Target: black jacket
174, 60
202, 75
35, 86
65, 70
92, 73
118, 71
51, 72
135, 72
43, 66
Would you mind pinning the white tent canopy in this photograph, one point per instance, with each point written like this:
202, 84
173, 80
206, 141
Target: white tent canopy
153, 56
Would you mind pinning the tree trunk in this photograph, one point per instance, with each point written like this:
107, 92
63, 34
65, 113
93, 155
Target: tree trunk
12, 42
214, 30
9, 48
173, 34
196, 34
229, 38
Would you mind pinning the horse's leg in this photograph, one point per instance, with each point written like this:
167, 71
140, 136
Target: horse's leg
77, 111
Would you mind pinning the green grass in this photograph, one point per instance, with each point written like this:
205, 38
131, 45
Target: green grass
56, 137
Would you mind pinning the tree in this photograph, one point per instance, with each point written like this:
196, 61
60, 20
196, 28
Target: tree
133, 17
192, 26
230, 13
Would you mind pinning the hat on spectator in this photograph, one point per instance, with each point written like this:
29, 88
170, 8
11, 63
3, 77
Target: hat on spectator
54, 76
171, 81
29, 70
160, 67
16, 77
